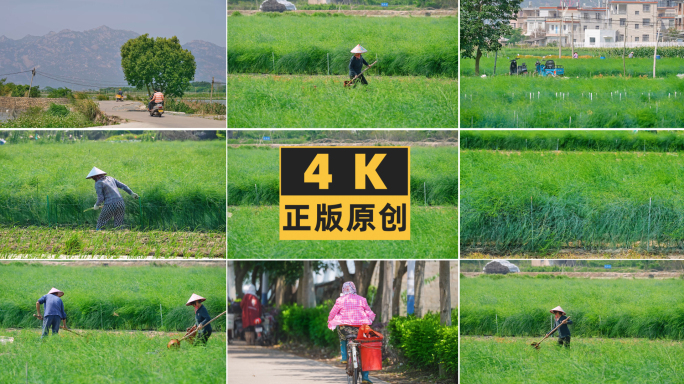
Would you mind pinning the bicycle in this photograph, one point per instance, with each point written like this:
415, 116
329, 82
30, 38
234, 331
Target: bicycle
353, 361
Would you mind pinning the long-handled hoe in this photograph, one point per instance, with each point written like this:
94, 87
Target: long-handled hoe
66, 329
349, 83
175, 343
537, 345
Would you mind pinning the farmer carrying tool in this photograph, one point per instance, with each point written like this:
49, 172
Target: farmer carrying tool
251, 312
356, 65
349, 313
54, 312
107, 189
202, 319
561, 324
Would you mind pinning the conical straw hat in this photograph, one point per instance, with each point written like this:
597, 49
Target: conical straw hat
557, 309
194, 298
359, 49
95, 171
57, 291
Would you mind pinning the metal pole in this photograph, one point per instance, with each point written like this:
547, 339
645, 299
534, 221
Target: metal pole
33, 73
211, 95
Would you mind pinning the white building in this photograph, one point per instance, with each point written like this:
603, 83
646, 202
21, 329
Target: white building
599, 37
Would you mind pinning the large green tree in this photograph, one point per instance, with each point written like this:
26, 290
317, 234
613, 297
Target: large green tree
158, 63
483, 23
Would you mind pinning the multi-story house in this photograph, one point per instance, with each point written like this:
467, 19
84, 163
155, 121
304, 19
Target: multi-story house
635, 21
679, 17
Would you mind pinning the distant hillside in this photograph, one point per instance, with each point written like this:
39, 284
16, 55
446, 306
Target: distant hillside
89, 59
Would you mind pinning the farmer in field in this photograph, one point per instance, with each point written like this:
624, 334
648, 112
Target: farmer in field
54, 311
251, 312
631, 55
563, 330
356, 64
201, 319
107, 189
349, 313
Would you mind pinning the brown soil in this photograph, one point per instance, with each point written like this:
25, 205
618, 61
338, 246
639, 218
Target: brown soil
599, 275
572, 253
126, 263
395, 372
373, 13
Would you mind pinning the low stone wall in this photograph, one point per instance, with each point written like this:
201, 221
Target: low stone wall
26, 102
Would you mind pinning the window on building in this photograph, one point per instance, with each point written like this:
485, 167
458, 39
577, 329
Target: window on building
647, 22
645, 38
598, 16
636, 26
592, 40
636, 12
623, 22
565, 27
586, 16
670, 23
597, 27
647, 8
574, 27
636, 38
585, 28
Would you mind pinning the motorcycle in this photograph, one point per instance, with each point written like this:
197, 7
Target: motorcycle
157, 110
119, 98
265, 329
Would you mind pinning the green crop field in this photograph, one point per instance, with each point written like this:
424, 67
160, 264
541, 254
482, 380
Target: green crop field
513, 360
253, 233
542, 102
584, 67
259, 101
518, 305
42, 242
540, 202
111, 297
110, 357
181, 184
564, 140
434, 175
304, 44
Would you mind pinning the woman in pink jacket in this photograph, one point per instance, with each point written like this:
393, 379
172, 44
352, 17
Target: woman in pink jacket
349, 313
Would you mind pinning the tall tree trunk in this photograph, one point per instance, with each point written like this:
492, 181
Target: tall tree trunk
419, 280
444, 301
240, 273
444, 293
388, 267
400, 269
280, 292
377, 301
477, 61
306, 284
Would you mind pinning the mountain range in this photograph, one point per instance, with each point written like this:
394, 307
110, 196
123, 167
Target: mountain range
89, 59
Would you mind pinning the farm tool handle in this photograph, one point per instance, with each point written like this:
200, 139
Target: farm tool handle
66, 329
536, 345
198, 328
364, 70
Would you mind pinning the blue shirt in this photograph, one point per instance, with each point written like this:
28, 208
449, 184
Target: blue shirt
107, 190
53, 306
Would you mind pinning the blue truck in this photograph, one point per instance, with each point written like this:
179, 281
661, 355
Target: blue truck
549, 68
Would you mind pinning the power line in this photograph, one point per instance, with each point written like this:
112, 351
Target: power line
15, 73
71, 78
75, 83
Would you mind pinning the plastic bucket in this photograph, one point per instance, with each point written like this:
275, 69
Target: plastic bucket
371, 356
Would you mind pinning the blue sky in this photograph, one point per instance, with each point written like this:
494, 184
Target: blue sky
187, 19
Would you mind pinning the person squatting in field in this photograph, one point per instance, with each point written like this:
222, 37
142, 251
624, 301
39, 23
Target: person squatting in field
107, 189
251, 312
563, 330
349, 313
356, 64
54, 311
201, 319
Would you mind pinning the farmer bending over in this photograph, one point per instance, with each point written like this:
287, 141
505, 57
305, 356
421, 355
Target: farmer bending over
356, 64
563, 330
251, 312
107, 189
54, 311
349, 313
201, 319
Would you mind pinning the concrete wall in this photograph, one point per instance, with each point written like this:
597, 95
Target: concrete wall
26, 102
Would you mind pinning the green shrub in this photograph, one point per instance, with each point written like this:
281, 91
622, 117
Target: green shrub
89, 108
102, 97
308, 324
236, 13
81, 96
57, 110
59, 93
424, 342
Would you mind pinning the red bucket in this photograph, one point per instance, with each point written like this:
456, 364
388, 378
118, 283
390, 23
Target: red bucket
371, 356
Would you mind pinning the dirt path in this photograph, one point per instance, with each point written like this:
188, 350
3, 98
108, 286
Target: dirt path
599, 275
141, 118
262, 365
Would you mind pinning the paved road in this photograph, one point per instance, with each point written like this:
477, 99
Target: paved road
142, 119
260, 365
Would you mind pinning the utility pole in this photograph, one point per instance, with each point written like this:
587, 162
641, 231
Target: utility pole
496, 55
655, 51
211, 95
572, 34
33, 73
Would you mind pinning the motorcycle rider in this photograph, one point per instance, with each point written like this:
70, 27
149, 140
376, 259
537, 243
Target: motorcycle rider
157, 98
120, 93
